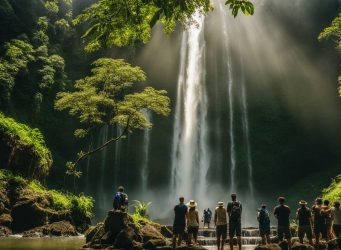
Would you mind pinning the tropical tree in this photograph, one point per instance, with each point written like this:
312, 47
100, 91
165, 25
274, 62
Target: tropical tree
101, 99
333, 32
123, 22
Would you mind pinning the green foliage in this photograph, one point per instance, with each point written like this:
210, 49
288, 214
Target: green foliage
32, 137
141, 208
333, 32
244, 5
123, 22
139, 221
99, 99
333, 192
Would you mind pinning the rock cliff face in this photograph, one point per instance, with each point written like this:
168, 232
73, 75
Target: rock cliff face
22, 210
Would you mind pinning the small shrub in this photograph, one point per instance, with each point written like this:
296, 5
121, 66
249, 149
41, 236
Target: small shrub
333, 192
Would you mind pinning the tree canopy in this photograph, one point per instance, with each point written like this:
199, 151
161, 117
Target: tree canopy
124, 22
101, 99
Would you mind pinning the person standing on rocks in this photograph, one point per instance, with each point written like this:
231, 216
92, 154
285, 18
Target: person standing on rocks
282, 214
234, 210
336, 216
303, 215
264, 224
179, 225
220, 222
193, 222
326, 212
207, 216
120, 201
318, 221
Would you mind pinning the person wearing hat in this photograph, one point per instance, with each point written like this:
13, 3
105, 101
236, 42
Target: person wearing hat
318, 221
282, 214
192, 222
303, 215
264, 224
179, 224
220, 221
336, 216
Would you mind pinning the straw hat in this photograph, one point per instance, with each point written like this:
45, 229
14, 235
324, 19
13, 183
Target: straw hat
302, 202
220, 204
192, 203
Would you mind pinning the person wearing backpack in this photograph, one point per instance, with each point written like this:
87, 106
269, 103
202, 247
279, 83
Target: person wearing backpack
318, 221
326, 212
264, 224
234, 210
282, 214
120, 201
303, 215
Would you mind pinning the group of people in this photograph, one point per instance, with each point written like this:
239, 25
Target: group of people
321, 221
225, 220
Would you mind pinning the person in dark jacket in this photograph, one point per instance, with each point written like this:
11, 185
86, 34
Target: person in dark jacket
180, 221
304, 218
282, 214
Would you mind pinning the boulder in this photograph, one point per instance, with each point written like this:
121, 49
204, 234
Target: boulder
185, 247
95, 234
334, 244
126, 238
115, 222
28, 214
299, 246
6, 220
268, 247
61, 228
5, 231
149, 232
154, 243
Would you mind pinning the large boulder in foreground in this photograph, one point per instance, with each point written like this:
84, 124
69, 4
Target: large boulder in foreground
119, 231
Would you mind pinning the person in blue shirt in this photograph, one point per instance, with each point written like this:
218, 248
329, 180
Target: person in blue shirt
180, 219
264, 224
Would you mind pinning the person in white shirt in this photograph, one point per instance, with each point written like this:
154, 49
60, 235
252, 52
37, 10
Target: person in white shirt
192, 222
220, 221
336, 217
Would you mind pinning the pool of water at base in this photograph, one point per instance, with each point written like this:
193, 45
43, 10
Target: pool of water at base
45, 243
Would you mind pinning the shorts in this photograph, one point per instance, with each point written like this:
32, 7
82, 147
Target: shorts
222, 231
283, 231
193, 230
235, 228
320, 229
305, 230
178, 229
264, 230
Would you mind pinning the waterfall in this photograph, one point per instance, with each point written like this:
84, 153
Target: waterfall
117, 156
228, 65
190, 154
245, 122
145, 160
102, 139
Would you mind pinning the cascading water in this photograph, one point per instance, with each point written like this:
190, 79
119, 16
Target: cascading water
145, 160
228, 65
102, 139
245, 122
190, 154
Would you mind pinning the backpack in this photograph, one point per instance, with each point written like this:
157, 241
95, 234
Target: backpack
236, 211
264, 216
118, 200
